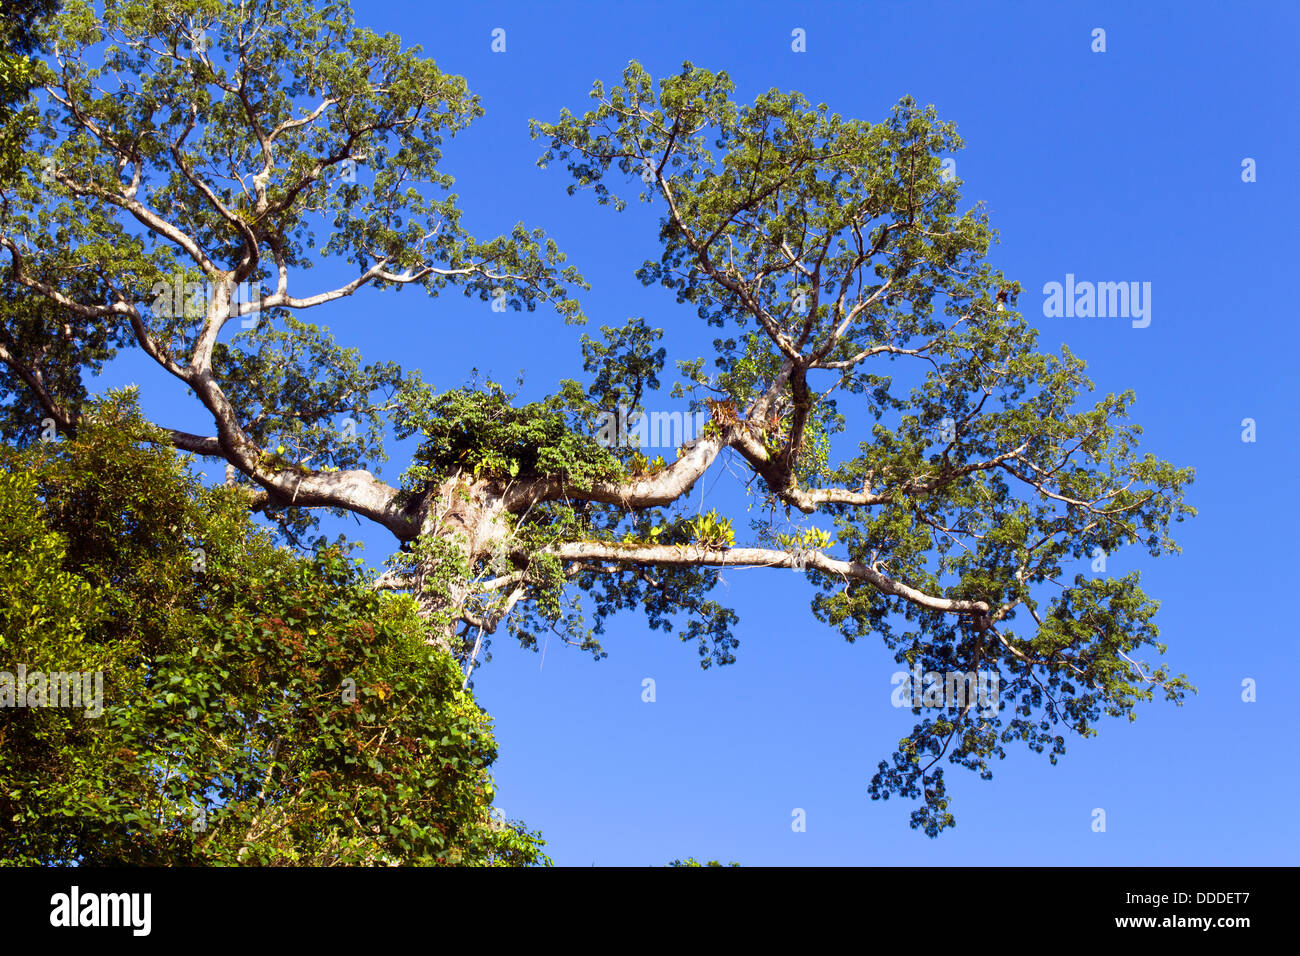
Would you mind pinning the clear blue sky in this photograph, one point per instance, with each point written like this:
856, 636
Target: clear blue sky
1124, 165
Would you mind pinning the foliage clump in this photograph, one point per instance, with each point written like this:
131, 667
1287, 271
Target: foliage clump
258, 706
478, 431
691, 861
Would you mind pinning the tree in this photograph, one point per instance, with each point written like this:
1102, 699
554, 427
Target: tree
19, 36
258, 707
691, 861
833, 249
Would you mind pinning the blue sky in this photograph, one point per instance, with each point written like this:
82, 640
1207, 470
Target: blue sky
1115, 166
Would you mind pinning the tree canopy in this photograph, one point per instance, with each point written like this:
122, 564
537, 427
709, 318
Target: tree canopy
257, 707
19, 37
199, 146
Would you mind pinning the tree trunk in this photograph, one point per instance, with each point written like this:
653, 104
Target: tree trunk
461, 530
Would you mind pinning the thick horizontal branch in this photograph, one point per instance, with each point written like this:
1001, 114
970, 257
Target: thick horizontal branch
654, 491
209, 446
674, 555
